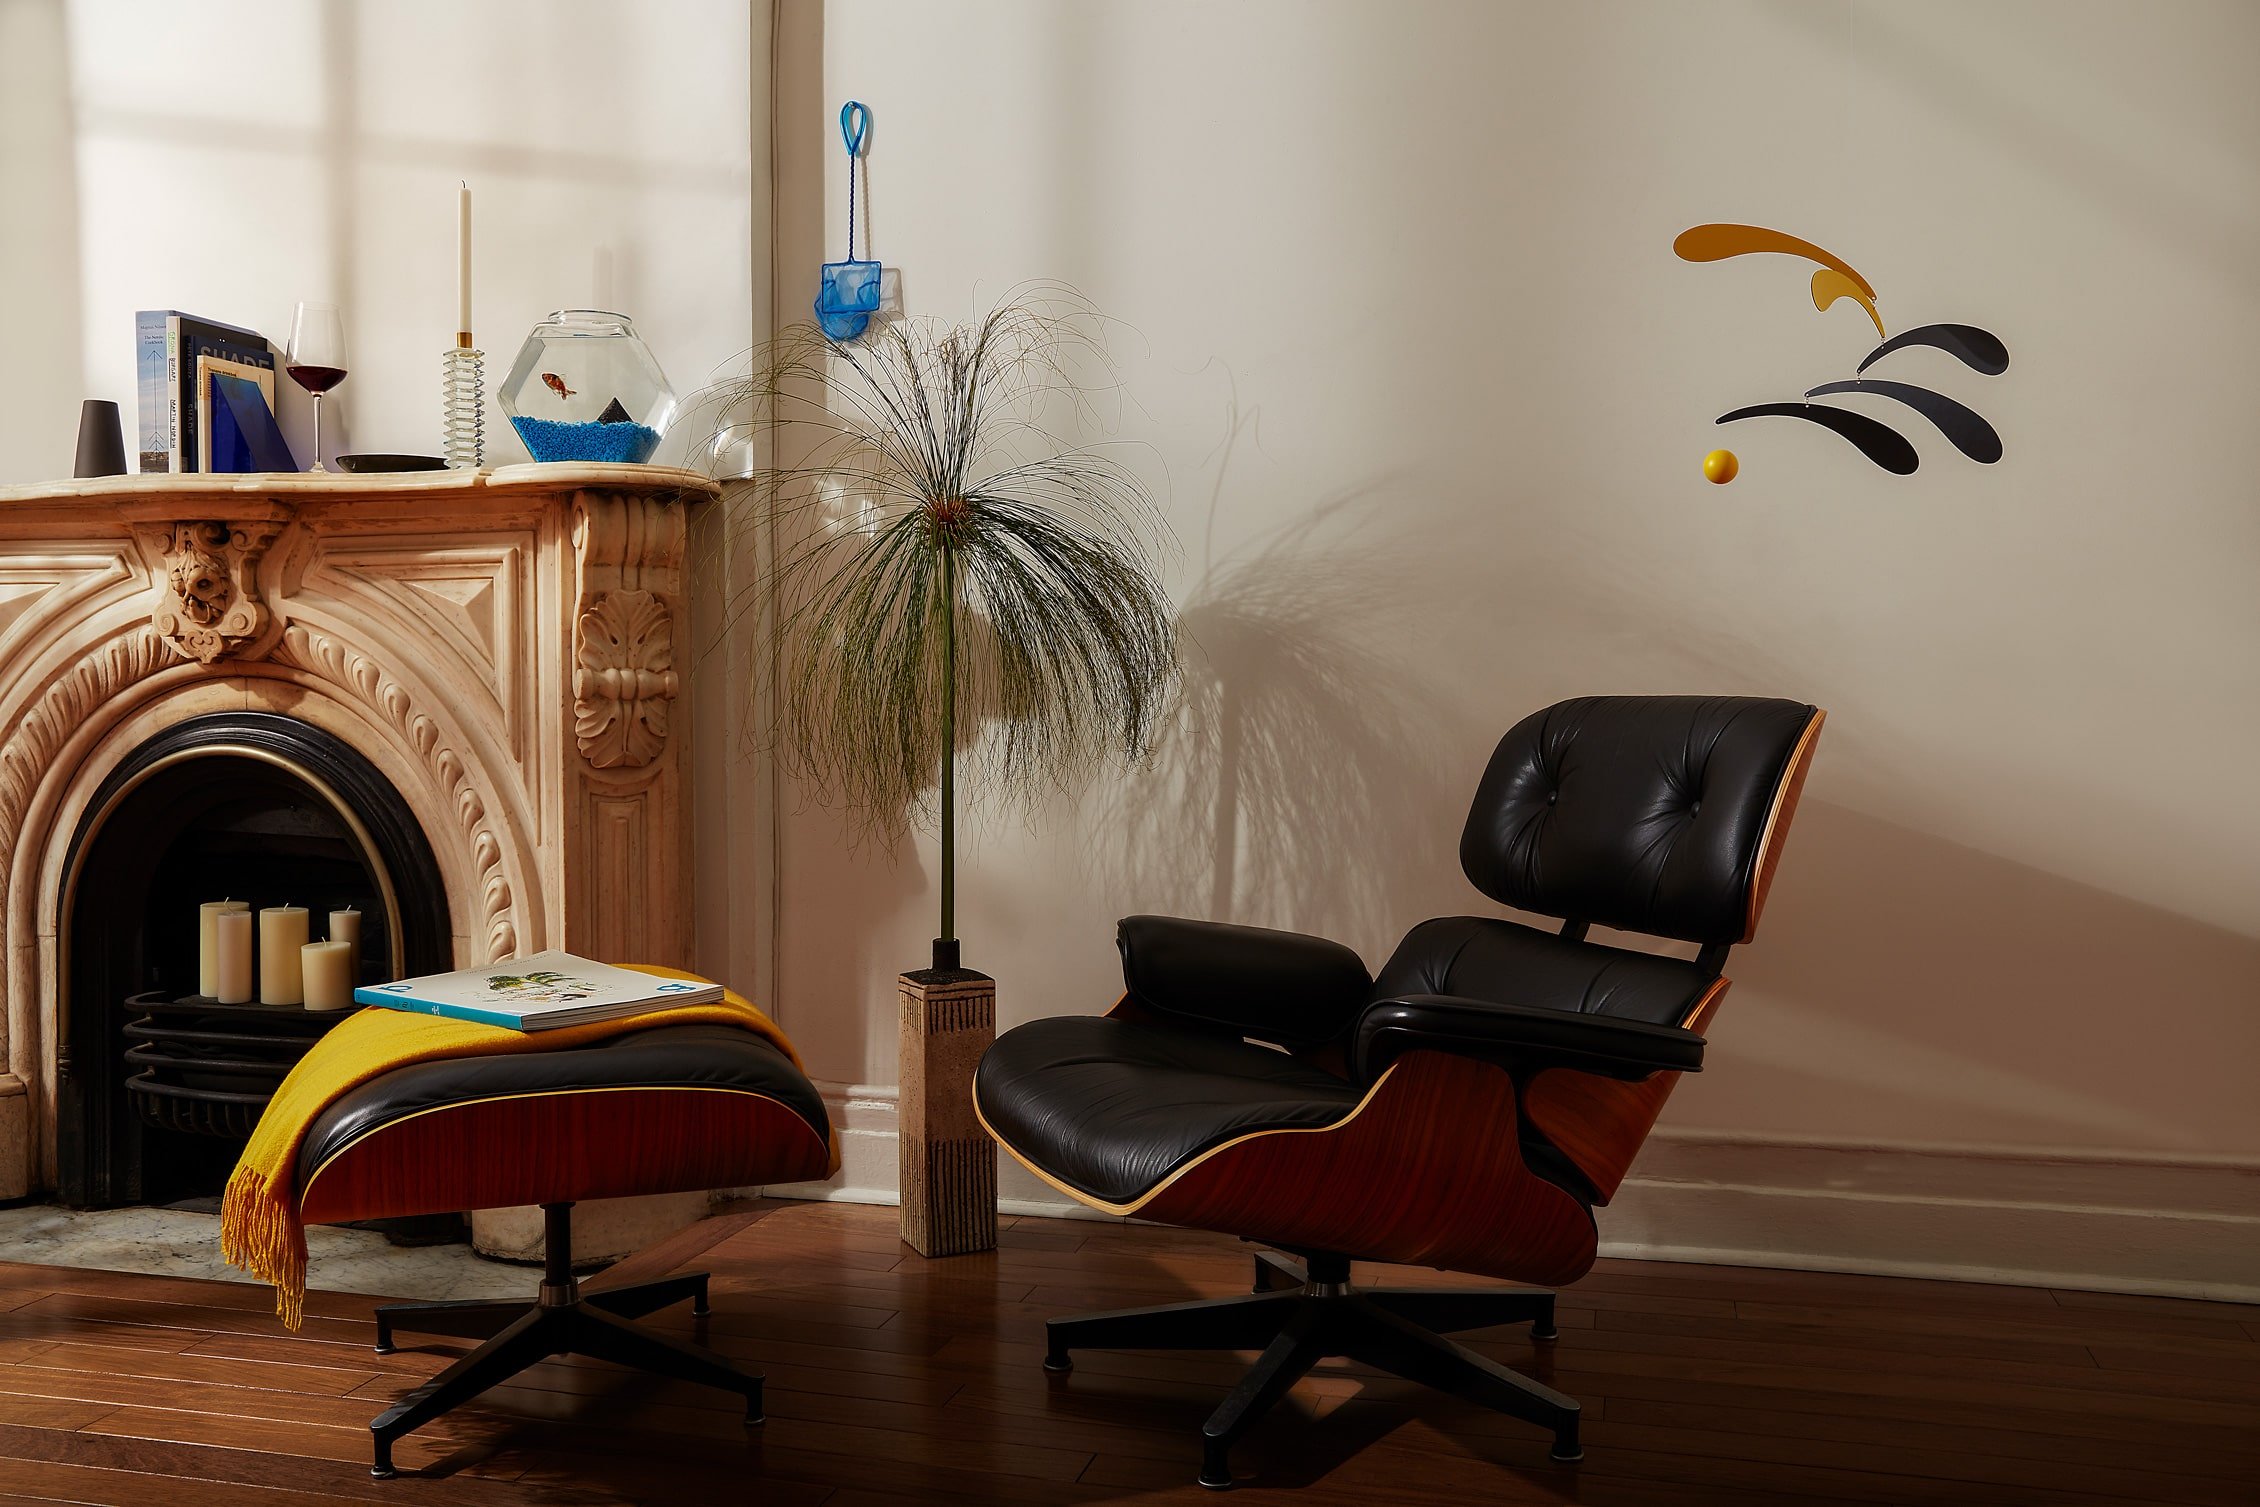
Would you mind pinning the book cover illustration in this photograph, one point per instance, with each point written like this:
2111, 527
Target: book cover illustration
155, 419
236, 429
540, 986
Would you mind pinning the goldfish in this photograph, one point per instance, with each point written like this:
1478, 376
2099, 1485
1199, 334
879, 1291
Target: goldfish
556, 384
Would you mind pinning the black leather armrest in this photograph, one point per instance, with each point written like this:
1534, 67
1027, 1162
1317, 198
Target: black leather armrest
1278, 986
1519, 1036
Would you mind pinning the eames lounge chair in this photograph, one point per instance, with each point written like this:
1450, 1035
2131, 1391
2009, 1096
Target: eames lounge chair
1469, 1109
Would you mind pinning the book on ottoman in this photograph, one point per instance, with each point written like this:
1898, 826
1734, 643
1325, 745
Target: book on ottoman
540, 993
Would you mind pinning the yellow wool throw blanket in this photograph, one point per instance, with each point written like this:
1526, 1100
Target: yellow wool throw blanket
260, 1230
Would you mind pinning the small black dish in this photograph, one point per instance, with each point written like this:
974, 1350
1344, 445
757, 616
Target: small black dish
367, 463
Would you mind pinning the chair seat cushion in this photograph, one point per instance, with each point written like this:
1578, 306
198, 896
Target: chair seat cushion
1112, 1107
1484, 957
668, 1109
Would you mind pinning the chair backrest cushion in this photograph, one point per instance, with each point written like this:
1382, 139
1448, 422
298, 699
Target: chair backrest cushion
1645, 813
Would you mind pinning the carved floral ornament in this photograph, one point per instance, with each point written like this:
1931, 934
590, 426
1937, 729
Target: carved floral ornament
624, 678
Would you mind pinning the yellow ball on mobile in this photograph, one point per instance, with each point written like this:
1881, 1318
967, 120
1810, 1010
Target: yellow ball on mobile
1721, 466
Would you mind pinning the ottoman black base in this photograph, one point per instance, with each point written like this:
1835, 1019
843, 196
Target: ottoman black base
563, 1322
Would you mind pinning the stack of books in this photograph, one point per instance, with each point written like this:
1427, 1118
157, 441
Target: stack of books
207, 395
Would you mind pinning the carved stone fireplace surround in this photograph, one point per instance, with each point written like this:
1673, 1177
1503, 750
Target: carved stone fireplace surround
501, 644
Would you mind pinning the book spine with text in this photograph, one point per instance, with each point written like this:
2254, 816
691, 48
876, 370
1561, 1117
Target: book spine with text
153, 390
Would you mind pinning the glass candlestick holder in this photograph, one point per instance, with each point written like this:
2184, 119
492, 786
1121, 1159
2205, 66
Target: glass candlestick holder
463, 405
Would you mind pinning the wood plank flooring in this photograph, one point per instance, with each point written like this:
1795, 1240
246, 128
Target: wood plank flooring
893, 1379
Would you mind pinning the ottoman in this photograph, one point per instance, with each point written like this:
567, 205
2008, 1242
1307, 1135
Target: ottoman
671, 1109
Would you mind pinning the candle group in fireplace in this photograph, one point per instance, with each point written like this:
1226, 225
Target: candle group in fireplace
292, 969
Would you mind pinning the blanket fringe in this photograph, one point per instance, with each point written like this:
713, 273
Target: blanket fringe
261, 1233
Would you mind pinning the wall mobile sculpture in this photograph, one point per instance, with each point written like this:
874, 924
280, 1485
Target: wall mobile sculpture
1980, 350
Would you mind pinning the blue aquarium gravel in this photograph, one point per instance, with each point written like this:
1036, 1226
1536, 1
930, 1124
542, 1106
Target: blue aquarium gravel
548, 439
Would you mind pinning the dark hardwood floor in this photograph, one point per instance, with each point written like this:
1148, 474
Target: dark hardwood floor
894, 1379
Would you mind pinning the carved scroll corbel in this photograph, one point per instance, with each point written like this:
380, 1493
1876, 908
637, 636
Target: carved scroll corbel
624, 678
208, 604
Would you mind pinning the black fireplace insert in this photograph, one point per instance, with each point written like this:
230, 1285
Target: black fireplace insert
248, 806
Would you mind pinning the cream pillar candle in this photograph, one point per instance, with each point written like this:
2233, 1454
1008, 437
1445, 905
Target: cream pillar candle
282, 931
208, 943
328, 971
231, 977
345, 926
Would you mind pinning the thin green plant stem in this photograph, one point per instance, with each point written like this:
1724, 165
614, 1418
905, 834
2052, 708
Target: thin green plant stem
949, 744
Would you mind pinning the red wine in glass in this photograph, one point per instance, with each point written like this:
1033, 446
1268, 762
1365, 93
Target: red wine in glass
317, 379
316, 359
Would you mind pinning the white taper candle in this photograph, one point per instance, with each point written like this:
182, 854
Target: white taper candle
463, 261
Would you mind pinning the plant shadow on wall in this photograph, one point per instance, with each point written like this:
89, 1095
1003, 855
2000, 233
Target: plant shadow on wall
1305, 778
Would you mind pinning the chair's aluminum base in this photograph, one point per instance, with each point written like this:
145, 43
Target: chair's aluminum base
564, 1321
1298, 1316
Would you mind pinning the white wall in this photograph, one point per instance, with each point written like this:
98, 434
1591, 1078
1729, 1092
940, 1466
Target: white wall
40, 368
232, 157
1426, 392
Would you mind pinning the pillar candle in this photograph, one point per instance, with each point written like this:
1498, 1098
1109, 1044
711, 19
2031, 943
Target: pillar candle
345, 926
231, 976
208, 943
282, 931
328, 970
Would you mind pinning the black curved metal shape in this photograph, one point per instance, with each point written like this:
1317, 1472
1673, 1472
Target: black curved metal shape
246, 803
1878, 441
1971, 434
1979, 350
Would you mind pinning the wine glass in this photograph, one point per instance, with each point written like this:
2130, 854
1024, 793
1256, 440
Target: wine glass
316, 359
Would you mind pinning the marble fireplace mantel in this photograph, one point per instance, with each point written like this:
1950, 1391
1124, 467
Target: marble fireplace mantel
501, 644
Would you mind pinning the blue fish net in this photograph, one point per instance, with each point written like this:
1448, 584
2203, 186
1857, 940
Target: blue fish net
848, 294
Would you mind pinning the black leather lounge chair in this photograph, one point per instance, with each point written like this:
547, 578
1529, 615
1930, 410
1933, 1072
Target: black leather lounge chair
1469, 1109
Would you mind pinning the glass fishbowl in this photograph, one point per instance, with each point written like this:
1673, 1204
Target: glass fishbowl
585, 387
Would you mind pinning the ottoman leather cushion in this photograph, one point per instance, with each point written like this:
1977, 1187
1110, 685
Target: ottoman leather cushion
670, 1109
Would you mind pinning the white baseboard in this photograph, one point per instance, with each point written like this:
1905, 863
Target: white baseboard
2180, 1226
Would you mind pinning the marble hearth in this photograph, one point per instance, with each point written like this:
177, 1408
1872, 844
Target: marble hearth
500, 645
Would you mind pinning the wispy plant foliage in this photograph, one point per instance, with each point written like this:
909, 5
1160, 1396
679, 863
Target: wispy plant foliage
944, 570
